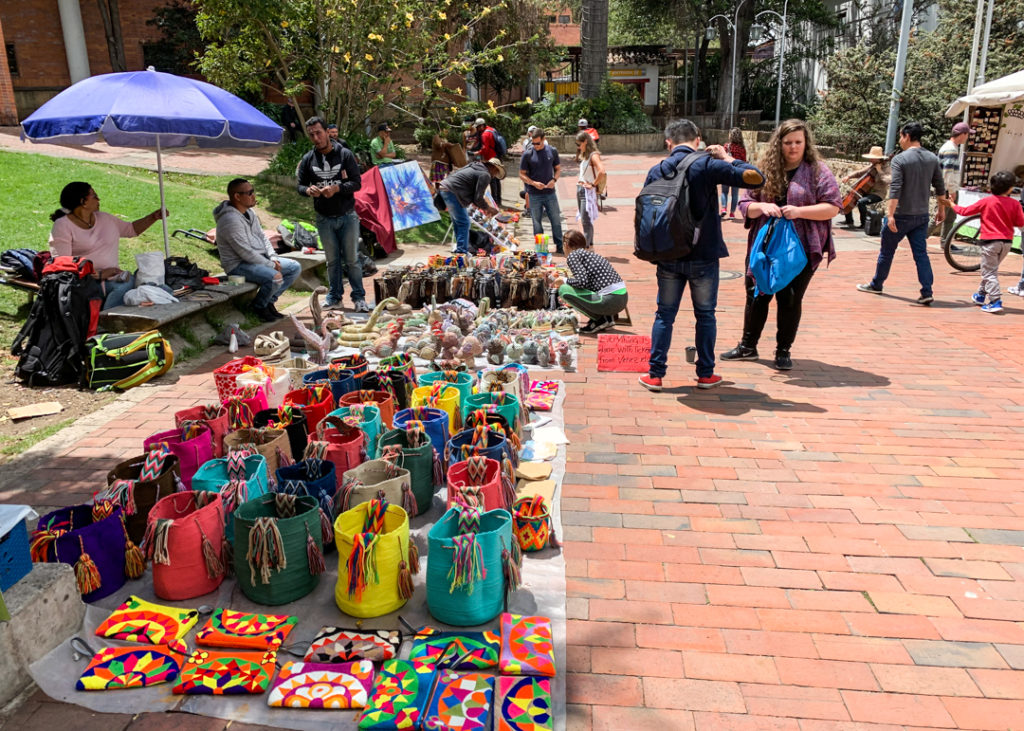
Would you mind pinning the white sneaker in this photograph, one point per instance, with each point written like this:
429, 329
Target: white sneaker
1019, 291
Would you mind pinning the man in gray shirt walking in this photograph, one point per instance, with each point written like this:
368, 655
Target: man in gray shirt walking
915, 172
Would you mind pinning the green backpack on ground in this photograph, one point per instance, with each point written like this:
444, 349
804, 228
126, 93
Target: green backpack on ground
123, 360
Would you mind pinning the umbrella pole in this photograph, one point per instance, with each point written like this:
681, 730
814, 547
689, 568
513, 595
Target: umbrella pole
163, 213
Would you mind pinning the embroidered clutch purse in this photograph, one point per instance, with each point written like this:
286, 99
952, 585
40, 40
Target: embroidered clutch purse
460, 701
228, 628
140, 621
115, 668
317, 685
526, 646
212, 672
399, 693
333, 644
467, 650
523, 704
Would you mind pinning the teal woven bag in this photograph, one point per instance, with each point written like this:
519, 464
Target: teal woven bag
473, 561
278, 547
463, 382
426, 473
504, 403
237, 480
369, 423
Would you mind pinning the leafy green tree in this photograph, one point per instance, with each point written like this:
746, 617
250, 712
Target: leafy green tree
356, 56
853, 112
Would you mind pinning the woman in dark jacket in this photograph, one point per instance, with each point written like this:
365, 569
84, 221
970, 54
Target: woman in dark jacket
800, 187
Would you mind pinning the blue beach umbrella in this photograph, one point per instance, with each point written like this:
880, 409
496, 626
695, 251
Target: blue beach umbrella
149, 109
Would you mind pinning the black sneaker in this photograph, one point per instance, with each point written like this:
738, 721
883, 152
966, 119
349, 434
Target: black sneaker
740, 352
605, 323
264, 314
868, 288
592, 327
274, 311
925, 299
782, 360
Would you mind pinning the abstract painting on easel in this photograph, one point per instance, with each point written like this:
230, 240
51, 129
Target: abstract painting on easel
411, 200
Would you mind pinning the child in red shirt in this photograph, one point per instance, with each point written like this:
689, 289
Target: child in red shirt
1000, 214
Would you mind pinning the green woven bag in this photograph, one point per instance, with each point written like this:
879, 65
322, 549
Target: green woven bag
424, 464
278, 547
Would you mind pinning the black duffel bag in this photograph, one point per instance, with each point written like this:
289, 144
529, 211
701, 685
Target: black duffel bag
180, 271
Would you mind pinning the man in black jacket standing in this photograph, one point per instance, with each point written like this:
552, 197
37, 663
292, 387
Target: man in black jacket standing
329, 174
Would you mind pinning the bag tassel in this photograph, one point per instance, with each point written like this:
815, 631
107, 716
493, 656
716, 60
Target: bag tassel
160, 535
348, 485
439, 468
508, 490
511, 567
87, 574
41, 542
227, 552
405, 585
214, 563
314, 554
134, 560
467, 564
409, 504
326, 529
414, 557
283, 460
362, 564
266, 550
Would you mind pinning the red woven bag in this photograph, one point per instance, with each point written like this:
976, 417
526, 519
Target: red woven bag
184, 540
382, 399
224, 377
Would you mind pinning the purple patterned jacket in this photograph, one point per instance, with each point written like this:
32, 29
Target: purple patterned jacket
815, 235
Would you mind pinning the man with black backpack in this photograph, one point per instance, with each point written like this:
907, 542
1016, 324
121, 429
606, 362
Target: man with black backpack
490, 145
679, 229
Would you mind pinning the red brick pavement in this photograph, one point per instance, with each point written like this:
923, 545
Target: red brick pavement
837, 547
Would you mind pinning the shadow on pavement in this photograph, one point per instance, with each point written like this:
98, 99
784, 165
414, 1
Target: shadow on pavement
817, 374
731, 401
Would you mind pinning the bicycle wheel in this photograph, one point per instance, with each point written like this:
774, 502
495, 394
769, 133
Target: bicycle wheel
962, 247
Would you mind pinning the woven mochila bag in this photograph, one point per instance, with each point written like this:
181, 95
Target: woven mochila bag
531, 522
225, 376
377, 478
477, 482
312, 476
192, 444
292, 420
92, 539
460, 380
278, 548
355, 365
440, 395
376, 559
137, 483
275, 381
215, 416
366, 417
474, 563
316, 402
496, 422
481, 441
184, 543
339, 381
410, 449
381, 399
341, 443
238, 478
254, 396
273, 444
399, 362
504, 403
434, 421
394, 382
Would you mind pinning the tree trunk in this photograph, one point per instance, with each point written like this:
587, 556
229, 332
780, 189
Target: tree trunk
110, 13
725, 77
594, 39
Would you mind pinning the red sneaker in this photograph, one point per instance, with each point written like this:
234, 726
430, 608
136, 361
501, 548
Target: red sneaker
708, 381
650, 382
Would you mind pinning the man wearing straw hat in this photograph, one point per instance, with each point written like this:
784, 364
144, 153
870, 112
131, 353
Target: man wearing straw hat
881, 176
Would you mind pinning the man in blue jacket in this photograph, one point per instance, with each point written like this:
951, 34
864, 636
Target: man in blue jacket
700, 267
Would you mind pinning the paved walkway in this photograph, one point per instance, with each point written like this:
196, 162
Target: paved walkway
837, 547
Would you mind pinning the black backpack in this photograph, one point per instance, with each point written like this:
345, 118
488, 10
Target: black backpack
500, 145
51, 343
180, 271
665, 227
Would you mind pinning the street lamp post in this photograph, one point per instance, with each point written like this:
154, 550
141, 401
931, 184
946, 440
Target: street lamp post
735, 42
782, 55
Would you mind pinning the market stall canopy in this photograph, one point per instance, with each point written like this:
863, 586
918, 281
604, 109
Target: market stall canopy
991, 94
149, 109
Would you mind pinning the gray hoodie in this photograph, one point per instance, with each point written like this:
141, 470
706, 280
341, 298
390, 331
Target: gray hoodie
240, 238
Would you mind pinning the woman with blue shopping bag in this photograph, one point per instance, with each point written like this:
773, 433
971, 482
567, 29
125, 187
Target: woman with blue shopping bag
800, 197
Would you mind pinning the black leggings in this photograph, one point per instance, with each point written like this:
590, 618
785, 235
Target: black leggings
788, 305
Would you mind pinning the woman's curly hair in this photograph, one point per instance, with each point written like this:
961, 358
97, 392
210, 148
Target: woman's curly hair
773, 164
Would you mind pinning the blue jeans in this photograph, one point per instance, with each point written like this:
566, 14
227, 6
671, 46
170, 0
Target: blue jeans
263, 276
672, 279
460, 221
114, 292
339, 235
546, 201
725, 197
915, 228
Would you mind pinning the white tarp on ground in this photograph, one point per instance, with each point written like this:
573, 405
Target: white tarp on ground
542, 592
991, 94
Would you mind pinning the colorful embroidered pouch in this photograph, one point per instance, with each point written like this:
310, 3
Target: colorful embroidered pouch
213, 672
114, 668
526, 646
461, 702
228, 628
542, 395
472, 650
317, 685
523, 704
140, 621
333, 644
399, 694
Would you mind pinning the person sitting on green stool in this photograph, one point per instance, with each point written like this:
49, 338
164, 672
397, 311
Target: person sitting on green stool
595, 288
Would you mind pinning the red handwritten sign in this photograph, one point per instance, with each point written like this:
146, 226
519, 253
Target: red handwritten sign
623, 353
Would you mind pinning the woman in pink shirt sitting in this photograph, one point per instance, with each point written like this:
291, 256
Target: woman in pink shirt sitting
81, 229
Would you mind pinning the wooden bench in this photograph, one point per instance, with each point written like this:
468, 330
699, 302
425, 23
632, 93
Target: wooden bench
29, 287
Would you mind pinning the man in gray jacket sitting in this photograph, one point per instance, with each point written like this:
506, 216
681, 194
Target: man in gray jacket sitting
245, 250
